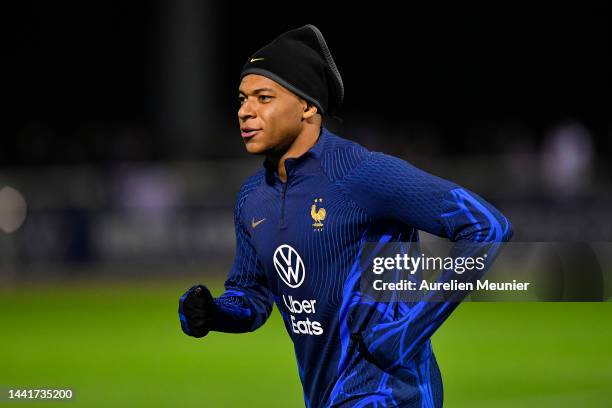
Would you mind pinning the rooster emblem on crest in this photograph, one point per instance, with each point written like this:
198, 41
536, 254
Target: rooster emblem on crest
318, 215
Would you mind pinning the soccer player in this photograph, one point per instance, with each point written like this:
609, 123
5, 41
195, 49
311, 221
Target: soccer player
302, 222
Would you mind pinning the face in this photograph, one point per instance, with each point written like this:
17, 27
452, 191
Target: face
270, 116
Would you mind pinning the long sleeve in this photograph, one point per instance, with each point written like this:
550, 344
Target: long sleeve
246, 303
391, 189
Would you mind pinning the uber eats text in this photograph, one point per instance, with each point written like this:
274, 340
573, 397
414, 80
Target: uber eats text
300, 325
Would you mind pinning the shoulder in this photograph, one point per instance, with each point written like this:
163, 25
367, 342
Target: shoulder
342, 156
380, 171
345, 159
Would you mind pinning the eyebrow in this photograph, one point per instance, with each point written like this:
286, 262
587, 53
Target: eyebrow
258, 91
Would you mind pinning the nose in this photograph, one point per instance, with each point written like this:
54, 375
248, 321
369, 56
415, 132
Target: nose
246, 110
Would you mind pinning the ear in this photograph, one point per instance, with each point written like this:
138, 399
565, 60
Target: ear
309, 111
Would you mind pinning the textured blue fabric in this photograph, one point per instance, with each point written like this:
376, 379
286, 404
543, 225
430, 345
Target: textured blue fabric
298, 245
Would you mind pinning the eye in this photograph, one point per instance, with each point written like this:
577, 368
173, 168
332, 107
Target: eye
240, 100
265, 98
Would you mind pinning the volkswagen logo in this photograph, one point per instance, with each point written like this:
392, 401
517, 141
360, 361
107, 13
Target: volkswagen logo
289, 265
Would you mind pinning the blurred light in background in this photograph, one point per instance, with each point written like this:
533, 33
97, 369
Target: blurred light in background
567, 158
13, 209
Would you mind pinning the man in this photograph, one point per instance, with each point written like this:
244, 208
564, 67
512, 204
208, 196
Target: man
302, 223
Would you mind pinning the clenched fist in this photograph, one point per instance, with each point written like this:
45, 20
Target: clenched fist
196, 309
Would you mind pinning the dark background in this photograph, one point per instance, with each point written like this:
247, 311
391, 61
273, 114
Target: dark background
85, 74
122, 135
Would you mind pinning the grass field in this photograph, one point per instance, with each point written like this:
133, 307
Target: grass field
120, 345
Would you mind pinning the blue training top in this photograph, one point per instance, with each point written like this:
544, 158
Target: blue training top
299, 244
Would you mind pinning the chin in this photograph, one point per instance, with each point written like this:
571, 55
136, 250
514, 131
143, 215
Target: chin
254, 148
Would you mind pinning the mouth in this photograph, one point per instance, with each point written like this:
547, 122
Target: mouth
248, 132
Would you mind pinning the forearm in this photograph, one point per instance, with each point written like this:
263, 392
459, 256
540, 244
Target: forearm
239, 312
400, 338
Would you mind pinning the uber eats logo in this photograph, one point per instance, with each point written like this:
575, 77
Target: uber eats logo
290, 268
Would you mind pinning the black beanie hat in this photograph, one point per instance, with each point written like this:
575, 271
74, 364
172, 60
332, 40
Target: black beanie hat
300, 61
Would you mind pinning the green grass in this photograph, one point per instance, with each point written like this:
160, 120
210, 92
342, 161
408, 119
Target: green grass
120, 345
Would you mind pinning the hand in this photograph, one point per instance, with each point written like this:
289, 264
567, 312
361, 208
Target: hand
196, 309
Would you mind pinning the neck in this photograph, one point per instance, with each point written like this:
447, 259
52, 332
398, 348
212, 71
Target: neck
302, 143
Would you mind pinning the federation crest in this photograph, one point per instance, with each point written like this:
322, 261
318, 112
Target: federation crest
318, 214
